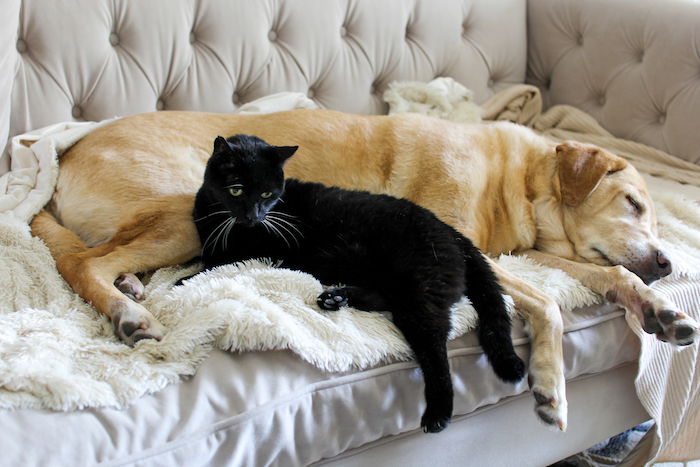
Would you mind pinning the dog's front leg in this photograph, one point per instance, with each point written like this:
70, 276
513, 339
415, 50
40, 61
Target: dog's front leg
657, 314
546, 366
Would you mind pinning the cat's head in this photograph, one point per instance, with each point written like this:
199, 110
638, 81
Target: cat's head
246, 175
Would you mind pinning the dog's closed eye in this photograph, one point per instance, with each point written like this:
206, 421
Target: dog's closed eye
635, 204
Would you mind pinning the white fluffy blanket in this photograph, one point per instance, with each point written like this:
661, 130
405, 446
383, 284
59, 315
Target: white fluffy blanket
56, 352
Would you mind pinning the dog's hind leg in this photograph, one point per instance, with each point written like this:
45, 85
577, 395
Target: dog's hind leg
62, 241
159, 237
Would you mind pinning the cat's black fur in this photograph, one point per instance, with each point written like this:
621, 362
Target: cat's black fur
392, 254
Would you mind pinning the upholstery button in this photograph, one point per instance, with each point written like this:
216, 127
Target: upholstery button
272, 35
662, 119
372, 90
192, 38
343, 31
236, 98
601, 101
580, 40
21, 46
114, 39
491, 82
160, 105
77, 112
310, 94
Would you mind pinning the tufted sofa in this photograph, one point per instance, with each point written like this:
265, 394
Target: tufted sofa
631, 64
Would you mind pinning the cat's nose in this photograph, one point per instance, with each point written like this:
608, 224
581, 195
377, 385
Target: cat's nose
252, 218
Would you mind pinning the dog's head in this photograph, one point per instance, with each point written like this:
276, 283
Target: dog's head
608, 213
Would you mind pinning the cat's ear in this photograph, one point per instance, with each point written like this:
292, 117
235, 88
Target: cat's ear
285, 152
220, 144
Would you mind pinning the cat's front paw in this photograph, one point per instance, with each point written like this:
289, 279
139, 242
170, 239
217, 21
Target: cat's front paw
332, 299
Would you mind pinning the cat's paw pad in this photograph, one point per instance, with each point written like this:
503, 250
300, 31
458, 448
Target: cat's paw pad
434, 422
332, 299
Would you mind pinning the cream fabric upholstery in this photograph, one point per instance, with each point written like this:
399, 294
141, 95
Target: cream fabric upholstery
115, 58
8, 55
632, 64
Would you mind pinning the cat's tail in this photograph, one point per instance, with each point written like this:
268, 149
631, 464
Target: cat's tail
494, 331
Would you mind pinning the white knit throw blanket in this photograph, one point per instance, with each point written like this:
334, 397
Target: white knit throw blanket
56, 352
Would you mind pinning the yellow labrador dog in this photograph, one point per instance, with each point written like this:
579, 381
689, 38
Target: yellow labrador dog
125, 193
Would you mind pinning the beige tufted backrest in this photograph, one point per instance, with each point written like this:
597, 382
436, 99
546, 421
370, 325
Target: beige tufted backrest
632, 64
94, 59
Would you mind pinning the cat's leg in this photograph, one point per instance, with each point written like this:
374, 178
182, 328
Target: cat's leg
355, 297
494, 330
425, 328
426, 331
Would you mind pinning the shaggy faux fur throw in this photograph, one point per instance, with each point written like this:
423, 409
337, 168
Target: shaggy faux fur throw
57, 352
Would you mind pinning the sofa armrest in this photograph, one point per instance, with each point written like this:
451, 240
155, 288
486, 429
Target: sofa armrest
8, 54
632, 64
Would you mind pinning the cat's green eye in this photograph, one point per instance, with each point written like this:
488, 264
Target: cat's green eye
235, 191
266, 195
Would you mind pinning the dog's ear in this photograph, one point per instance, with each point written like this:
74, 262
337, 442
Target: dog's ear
220, 144
581, 168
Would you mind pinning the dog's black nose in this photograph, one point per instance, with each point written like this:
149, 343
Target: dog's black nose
663, 263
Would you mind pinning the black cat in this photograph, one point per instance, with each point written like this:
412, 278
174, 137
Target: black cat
394, 255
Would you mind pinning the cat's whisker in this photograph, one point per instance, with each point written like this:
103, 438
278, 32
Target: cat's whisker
286, 222
212, 214
277, 232
275, 221
280, 213
222, 233
287, 227
228, 232
218, 228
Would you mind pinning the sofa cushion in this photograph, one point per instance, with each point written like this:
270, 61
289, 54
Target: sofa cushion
272, 408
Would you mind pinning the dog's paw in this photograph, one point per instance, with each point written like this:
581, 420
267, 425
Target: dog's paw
133, 323
332, 299
130, 285
668, 323
550, 398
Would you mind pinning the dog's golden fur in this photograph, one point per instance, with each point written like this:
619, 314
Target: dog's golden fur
125, 192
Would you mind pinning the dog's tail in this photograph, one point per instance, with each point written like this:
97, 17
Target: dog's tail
60, 240
486, 295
